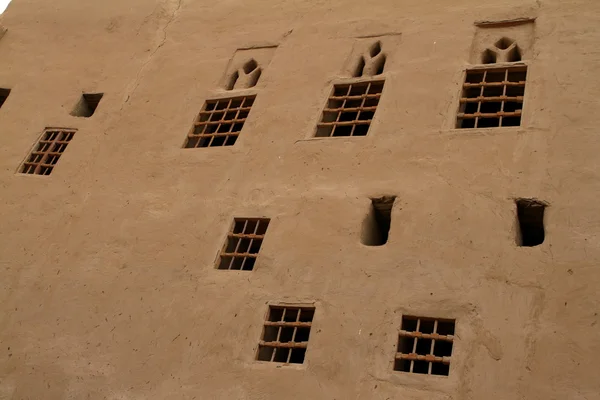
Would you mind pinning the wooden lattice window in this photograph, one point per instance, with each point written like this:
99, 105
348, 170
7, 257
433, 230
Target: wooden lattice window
243, 243
220, 122
45, 154
425, 345
492, 97
350, 109
285, 334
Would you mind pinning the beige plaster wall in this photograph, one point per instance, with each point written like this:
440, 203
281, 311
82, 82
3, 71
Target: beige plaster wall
107, 281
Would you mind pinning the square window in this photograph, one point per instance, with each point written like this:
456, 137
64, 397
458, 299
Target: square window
425, 345
243, 243
220, 122
350, 109
492, 97
285, 334
47, 151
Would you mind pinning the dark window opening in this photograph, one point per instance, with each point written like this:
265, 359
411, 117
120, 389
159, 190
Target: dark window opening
47, 151
425, 345
87, 104
492, 97
350, 109
376, 225
3, 96
285, 334
530, 215
243, 244
220, 122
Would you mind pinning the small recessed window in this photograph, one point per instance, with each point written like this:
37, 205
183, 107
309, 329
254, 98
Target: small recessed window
350, 109
220, 122
492, 97
87, 105
376, 225
3, 96
47, 151
285, 334
243, 243
425, 345
530, 215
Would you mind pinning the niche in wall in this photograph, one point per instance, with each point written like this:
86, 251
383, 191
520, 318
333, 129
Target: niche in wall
530, 222
377, 222
87, 104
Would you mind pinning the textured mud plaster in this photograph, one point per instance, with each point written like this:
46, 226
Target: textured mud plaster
108, 285
163, 16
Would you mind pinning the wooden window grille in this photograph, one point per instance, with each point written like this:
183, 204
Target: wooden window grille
220, 122
350, 109
285, 334
243, 243
425, 345
492, 97
46, 153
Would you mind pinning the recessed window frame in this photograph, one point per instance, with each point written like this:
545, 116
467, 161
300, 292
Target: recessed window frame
210, 129
47, 150
295, 330
458, 117
412, 359
358, 127
243, 243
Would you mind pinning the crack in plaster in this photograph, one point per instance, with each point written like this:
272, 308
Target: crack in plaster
136, 81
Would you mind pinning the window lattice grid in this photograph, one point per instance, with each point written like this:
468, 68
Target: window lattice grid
220, 122
425, 345
492, 97
350, 109
285, 334
45, 155
243, 243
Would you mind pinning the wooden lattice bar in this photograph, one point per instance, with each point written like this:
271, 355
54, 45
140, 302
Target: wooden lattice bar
47, 151
350, 109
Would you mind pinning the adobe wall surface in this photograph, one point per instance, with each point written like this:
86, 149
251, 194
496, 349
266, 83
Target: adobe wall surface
107, 282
